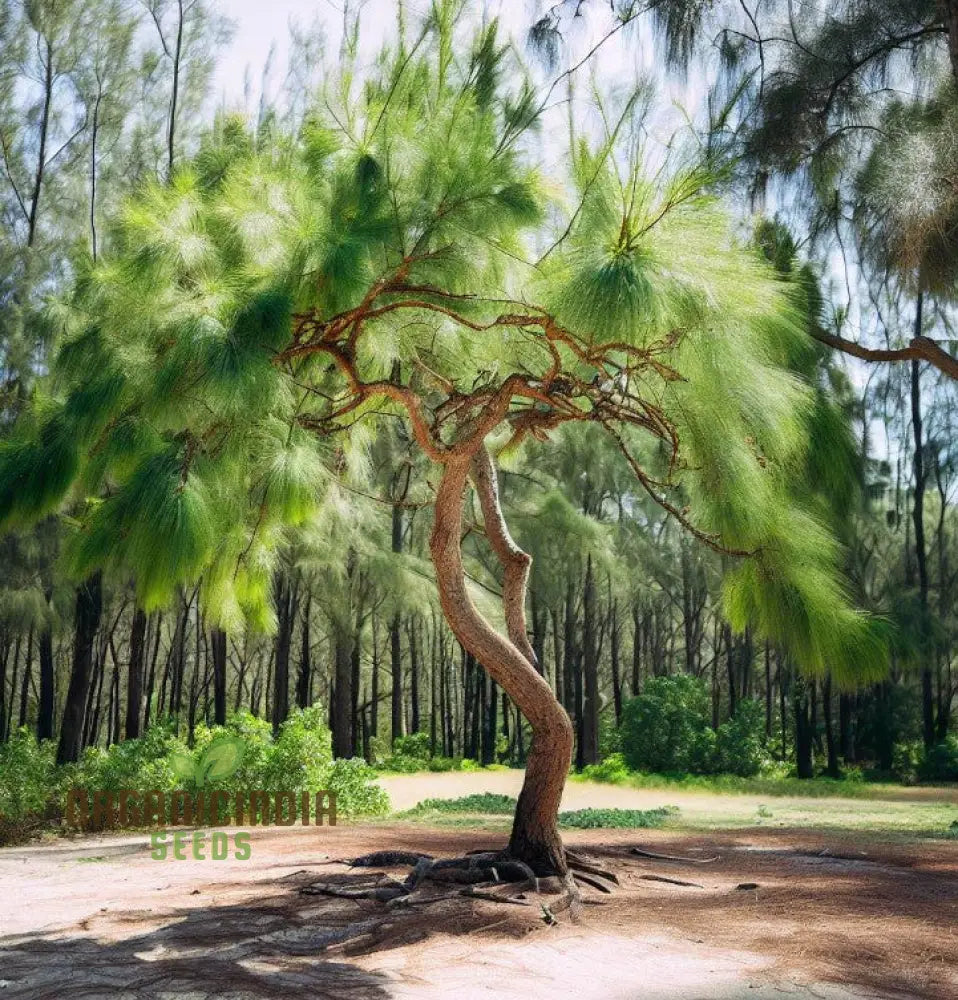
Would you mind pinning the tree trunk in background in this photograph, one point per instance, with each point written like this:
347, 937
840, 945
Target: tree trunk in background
46, 709
27, 677
949, 13
886, 727
918, 517
831, 744
134, 681
573, 690
178, 660
218, 657
803, 729
491, 721
414, 666
4, 660
304, 678
7, 719
768, 691
590, 663
782, 685
730, 670
157, 626
374, 683
395, 642
616, 669
285, 600
636, 650
342, 699
535, 836
89, 608
846, 736
354, 682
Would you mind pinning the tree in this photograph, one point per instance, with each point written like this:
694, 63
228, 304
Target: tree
222, 365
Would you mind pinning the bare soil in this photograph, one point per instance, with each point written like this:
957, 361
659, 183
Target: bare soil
830, 915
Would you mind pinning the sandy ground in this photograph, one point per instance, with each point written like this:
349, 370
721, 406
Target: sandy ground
833, 916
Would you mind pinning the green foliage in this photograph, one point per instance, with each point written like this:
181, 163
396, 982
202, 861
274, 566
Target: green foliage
413, 745
482, 802
666, 727
626, 819
28, 777
740, 742
357, 794
611, 770
940, 762
906, 759
240, 757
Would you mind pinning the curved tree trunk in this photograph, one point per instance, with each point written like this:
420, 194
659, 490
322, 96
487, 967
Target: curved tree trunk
535, 836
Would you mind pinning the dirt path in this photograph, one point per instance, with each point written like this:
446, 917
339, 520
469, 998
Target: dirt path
97, 918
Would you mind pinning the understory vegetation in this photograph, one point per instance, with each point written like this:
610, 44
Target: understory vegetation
33, 787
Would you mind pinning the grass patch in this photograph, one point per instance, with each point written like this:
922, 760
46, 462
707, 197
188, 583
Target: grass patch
483, 803
488, 804
730, 784
615, 819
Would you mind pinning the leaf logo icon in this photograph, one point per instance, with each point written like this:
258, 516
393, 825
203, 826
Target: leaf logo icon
219, 760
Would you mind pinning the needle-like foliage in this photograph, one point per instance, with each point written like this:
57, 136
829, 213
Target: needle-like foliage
257, 317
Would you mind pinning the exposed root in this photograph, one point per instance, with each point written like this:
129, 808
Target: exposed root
491, 876
672, 857
387, 859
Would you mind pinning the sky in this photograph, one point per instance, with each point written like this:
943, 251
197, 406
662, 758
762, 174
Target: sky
259, 25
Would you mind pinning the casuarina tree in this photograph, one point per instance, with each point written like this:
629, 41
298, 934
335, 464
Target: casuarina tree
400, 260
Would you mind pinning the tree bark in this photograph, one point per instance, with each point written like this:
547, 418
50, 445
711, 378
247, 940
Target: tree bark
535, 836
134, 682
218, 655
27, 678
46, 710
949, 14
803, 730
342, 699
89, 608
590, 664
831, 744
918, 517
285, 597
305, 676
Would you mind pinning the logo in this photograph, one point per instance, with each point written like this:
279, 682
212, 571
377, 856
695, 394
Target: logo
220, 760
131, 809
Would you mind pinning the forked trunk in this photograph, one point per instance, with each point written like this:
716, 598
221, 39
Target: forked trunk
535, 835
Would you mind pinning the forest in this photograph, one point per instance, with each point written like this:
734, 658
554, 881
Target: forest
475, 407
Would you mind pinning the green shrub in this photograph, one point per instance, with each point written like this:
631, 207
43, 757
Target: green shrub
905, 761
612, 770
29, 784
300, 758
357, 794
940, 762
740, 742
628, 819
483, 802
443, 764
414, 745
666, 728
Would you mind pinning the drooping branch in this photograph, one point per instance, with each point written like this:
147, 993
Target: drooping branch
649, 486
